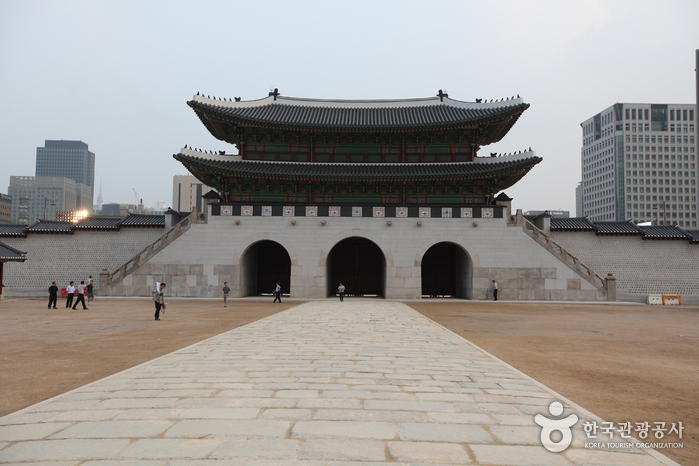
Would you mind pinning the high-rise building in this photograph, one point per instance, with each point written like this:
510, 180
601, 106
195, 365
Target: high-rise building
639, 163
5, 208
69, 159
187, 192
35, 198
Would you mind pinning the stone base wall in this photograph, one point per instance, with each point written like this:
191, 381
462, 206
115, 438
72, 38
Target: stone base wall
197, 263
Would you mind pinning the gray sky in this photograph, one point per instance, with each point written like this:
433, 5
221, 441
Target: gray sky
117, 74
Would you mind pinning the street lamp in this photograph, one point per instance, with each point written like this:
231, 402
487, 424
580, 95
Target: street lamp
45, 203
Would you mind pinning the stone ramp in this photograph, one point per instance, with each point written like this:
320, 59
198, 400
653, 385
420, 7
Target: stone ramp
324, 383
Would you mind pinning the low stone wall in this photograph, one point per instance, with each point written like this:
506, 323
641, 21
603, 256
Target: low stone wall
65, 257
641, 267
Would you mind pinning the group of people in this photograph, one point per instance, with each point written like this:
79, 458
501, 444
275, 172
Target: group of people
79, 293
277, 293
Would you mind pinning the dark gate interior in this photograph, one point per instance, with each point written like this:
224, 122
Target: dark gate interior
273, 266
439, 270
359, 265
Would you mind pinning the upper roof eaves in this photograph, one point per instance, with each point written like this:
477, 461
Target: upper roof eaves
378, 114
342, 103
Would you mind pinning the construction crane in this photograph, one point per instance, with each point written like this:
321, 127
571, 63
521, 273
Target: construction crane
139, 205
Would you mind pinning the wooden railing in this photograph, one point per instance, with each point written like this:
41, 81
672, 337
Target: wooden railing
564, 256
149, 251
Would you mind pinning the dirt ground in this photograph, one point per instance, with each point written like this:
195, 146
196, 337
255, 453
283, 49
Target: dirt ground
623, 363
44, 353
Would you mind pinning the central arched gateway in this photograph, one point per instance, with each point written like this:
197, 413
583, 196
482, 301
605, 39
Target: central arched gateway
264, 264
360, 265
447, 271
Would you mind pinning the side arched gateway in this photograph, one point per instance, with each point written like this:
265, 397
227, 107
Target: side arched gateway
264, 264
447, 271
360, 265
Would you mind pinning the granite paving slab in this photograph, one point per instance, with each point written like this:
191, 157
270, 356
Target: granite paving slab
322, 384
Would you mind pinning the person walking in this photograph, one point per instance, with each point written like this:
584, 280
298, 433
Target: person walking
226, 292
70, 290
159, 298
277, 294
341, 292
81, 295
495, 290
53, 295
90, 292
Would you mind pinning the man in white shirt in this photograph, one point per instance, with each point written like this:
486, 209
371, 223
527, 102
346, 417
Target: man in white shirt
70, 290
495, 290
81, 295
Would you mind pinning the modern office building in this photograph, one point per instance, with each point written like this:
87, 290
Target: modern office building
35, 198
186, 193
5, 208
69, 159
639, 163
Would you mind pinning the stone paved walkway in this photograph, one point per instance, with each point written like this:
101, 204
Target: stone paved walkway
323, 383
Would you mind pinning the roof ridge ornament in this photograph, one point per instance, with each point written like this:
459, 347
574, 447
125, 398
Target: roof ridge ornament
276, 93
442, 95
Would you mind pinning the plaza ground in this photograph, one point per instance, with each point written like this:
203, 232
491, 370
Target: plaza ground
623, 363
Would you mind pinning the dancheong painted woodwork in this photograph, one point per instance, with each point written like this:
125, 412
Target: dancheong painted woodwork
414, 151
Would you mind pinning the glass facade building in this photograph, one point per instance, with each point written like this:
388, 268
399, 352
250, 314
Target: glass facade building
72, 160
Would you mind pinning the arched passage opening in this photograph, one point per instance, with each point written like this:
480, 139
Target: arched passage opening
447, 271
360, 265
264, 264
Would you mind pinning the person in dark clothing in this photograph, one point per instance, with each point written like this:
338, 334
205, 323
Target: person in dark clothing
159, 298
53, 295
277, 294
90, 292
81, 295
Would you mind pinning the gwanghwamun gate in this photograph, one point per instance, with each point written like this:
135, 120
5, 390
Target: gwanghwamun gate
392, 198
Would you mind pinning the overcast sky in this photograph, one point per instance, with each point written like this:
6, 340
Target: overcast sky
117, 74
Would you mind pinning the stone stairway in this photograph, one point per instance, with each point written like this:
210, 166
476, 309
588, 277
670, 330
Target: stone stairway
108, 280
606, 285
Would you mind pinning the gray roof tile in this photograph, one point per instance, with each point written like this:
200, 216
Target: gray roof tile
140, 220
572, 224
10, 254
616, 228
663, 232
11, 229
359, 170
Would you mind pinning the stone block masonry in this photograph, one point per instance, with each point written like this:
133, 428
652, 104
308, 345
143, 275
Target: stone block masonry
217, 249
324, 383
65, 257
